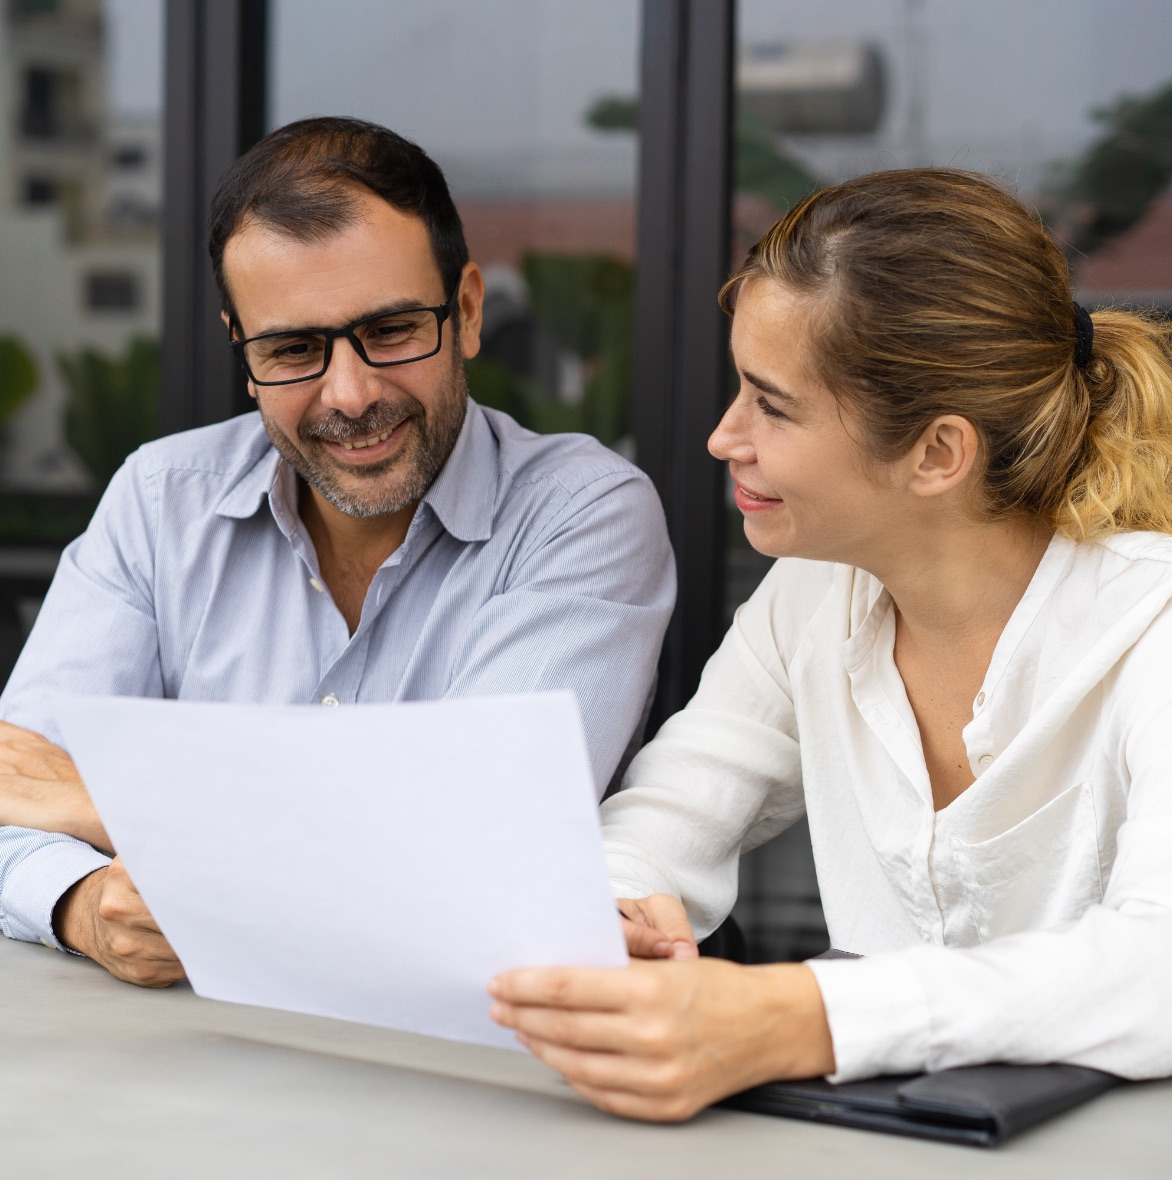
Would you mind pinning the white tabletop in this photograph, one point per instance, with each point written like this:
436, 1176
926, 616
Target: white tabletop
102, 1079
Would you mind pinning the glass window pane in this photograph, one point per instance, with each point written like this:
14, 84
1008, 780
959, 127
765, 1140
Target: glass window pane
1068, 101
528, 106
80, 195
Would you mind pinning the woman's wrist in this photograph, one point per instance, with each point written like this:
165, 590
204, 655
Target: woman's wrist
795, 1033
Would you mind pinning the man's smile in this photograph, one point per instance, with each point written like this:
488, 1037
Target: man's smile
359, 443
370, 448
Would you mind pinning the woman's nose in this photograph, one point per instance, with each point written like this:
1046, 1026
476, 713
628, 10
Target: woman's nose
730, 440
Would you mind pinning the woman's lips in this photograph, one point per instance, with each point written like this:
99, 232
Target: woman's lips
748, 501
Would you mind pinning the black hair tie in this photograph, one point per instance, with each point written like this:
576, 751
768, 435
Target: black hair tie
1084, 333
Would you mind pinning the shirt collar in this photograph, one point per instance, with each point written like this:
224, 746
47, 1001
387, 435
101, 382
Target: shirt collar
463, 496
245, 496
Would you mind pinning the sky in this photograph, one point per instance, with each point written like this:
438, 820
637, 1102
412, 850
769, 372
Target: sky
496, 89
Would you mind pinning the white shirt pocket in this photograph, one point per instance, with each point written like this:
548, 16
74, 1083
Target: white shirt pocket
1038, 875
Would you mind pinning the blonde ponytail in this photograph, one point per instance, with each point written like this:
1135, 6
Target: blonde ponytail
1124, 478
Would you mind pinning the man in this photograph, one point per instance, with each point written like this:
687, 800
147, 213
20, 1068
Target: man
372, 535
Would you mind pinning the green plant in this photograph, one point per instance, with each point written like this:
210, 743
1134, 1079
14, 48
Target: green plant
113, 404
584, 304
18, 376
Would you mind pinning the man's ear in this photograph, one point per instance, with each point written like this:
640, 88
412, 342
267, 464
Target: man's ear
943, 456
228, 325
471, 302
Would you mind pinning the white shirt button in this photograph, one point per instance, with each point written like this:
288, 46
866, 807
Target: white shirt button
980, 699
317, 585
330, 699
986, 759
46, 942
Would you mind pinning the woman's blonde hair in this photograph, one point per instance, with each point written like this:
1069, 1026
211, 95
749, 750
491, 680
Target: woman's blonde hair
932, 291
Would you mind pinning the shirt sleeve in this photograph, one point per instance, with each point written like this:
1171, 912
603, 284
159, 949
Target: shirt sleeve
585, 607
722, 776
95, 634
1091, 993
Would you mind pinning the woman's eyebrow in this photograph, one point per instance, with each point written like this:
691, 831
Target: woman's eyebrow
768, 387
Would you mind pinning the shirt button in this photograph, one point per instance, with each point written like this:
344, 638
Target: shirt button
46, 942
330, 699
986, 760
980, 699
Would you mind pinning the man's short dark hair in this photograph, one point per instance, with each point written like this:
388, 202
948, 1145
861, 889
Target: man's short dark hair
302, 179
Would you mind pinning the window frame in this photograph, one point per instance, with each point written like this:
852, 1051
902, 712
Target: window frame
216, 84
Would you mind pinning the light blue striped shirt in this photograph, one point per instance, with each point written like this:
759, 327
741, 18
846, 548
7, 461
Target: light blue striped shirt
535, 562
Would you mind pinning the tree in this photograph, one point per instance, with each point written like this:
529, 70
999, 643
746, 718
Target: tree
1109, 188
760, 165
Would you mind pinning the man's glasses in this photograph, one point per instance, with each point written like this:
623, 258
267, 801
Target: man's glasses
388, 338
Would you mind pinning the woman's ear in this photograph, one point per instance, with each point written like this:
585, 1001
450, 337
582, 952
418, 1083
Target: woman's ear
943, 456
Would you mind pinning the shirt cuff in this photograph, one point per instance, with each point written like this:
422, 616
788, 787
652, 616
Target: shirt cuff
35, 886
878, 1015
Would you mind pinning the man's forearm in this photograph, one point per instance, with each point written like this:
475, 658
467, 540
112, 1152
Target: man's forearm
41, 788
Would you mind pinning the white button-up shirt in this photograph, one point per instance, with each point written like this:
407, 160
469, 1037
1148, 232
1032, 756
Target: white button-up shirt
1028, 921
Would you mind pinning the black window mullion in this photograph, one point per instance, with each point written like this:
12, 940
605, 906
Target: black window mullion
215, 88
680, 364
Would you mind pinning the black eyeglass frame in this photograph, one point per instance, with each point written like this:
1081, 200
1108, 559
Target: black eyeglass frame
441, 313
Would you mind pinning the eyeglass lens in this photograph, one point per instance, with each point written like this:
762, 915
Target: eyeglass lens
299, 356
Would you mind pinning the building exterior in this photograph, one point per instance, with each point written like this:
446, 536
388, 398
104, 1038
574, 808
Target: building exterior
79, 223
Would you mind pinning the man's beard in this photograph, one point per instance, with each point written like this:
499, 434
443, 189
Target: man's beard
397, 481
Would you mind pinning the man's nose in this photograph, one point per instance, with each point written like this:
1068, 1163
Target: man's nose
349, 384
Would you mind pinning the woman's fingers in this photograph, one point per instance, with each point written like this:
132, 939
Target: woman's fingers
657, 927
659, 1089
667, 914
645, 942
651, 1108
596, 1031
597, 989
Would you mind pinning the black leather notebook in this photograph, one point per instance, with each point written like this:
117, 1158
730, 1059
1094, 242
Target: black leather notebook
980, 1105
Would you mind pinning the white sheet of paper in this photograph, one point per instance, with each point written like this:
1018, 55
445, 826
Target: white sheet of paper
377, 863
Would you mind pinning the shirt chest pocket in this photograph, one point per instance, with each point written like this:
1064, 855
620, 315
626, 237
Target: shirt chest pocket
1037, 875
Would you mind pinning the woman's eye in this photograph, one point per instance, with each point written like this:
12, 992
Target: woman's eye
768, 409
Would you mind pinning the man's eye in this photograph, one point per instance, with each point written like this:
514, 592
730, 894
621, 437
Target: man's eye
386, 330
295, 350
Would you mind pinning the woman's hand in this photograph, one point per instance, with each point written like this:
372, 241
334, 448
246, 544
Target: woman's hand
657, 927
40, 788
661, 1041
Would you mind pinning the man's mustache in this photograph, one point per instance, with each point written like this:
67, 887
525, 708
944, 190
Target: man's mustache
376, 418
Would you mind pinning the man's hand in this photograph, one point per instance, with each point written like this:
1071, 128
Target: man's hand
657, 927
40, 788
103, 916
662, 1040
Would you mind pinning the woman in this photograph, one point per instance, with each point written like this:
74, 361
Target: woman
960, 669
